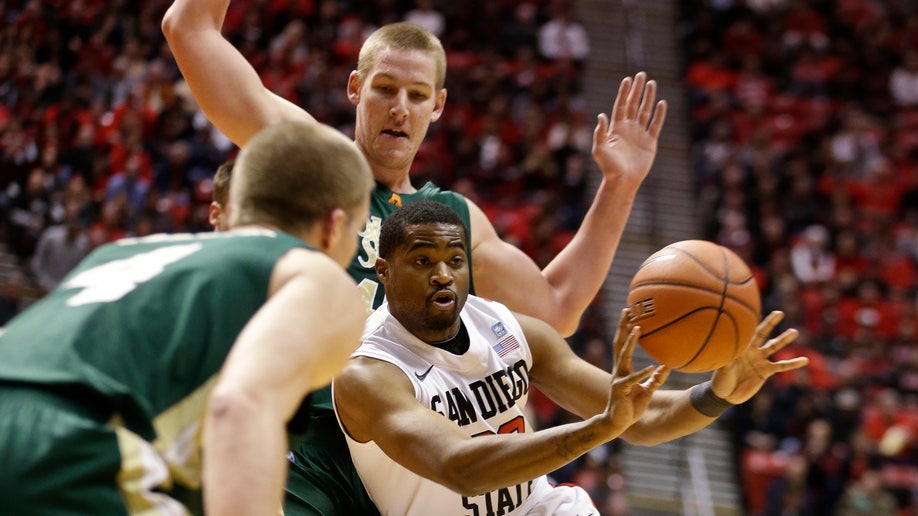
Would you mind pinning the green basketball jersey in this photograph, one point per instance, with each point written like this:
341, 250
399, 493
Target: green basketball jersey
146, 322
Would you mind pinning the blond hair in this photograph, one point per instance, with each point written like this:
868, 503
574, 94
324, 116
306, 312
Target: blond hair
402, 36
221, 182
291, 175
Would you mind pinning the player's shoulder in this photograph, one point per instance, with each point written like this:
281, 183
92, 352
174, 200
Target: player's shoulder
319, 270
486, 305
368, 378
431, 191
312, 262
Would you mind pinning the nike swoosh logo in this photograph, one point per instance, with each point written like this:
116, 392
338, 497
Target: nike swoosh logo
424, 374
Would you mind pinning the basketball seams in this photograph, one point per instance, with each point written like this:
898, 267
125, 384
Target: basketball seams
703, 265
688, 314
737, 345
731, 297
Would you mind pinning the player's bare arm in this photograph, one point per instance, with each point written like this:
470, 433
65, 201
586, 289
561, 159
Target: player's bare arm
624, 148
223, 82
313, 316
375, 401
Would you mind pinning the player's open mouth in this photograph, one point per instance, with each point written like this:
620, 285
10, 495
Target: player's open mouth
395, 134
444, 299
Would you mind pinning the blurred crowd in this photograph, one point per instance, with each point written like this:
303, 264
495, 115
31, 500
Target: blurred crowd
805, 132
100, 138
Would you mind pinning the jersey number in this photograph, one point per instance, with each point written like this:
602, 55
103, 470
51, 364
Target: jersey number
516, 425
113, 280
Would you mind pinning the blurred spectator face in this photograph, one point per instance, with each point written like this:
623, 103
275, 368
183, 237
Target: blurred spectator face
132, 166
35, 184
797, 468
816, 238
889, 402
72, 218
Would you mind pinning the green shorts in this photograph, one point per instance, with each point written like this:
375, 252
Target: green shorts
59, 456
322, 479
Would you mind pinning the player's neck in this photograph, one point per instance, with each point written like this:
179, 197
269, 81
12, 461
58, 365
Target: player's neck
458, 344
396, 180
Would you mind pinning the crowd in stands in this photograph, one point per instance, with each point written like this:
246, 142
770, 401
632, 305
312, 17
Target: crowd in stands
805, 131
100, 138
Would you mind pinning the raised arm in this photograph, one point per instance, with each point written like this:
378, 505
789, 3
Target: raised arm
375, 401
223, 82
298, 340
624, 149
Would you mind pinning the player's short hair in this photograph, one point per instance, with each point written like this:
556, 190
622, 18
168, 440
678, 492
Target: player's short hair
221, 182
293, 174
402, 36
395, 228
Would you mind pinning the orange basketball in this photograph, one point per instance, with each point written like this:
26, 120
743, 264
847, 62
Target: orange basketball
697, 305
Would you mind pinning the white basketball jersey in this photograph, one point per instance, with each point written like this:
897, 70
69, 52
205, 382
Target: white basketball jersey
482, 391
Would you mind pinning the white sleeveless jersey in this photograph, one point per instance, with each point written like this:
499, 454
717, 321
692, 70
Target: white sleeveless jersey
483, 391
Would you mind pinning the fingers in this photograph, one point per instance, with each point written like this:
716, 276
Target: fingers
634, 96
764, 329
624, 365
788, 365
636, 100
624, 327
602, 128
619, 108
659, 377
647, 101
780, 342
622, 386
659, 116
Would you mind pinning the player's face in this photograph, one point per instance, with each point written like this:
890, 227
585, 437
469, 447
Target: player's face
396, 102
427, 281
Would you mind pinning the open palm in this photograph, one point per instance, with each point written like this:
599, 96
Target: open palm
743, 376
624, 148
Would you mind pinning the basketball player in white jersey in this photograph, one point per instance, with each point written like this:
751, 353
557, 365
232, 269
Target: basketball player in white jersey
438, 367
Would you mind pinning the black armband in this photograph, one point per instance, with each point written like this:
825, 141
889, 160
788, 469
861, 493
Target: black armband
705, 401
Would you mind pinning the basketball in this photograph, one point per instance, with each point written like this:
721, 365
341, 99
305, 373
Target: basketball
697, 304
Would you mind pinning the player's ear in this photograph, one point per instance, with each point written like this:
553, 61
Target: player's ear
213, 216
382, 271
439, 104
334, 229
353, 87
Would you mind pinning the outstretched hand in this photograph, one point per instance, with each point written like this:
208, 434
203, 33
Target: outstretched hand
624, 148
631, 390
742, 378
